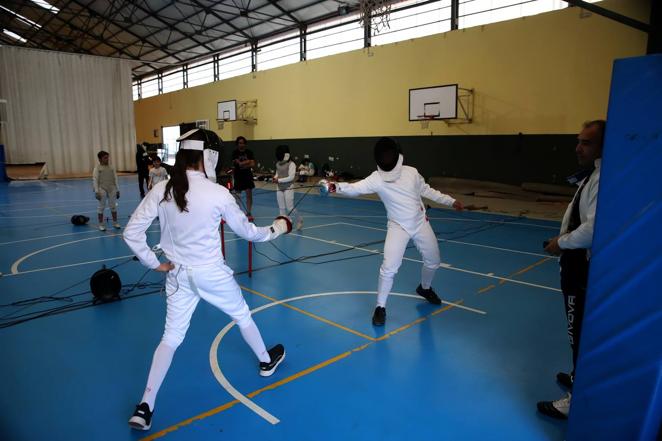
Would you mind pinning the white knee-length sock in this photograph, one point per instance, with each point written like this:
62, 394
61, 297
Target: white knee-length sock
253, 338
160, 365
427, 274
384, 286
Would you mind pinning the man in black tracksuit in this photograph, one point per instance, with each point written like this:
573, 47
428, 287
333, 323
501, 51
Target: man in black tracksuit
573, 246
142, 163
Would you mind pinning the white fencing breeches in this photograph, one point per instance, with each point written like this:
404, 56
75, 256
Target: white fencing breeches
394, 249
285, 200
185, 286
110, 196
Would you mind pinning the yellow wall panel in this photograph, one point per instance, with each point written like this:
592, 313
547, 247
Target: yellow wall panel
543, 74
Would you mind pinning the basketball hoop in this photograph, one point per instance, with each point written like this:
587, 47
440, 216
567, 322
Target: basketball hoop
425, 120
220, 123
375, 13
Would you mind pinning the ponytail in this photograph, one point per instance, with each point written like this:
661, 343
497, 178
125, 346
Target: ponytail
177, 186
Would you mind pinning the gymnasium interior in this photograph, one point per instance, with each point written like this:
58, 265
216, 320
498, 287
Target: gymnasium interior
487, 100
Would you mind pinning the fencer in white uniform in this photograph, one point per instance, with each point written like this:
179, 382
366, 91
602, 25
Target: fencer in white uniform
401, 188
286, 171
190, 207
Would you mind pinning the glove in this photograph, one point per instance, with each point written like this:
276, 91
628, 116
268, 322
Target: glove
282, 225
117, 195
97, 195
326, 187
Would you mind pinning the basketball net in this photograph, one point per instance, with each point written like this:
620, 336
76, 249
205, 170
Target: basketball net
375, 13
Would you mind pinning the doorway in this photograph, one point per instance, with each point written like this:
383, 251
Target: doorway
169, 137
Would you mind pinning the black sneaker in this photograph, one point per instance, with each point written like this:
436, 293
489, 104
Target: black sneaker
558, 409
564, 380
429, 295
277, 354
142, 417
379, 317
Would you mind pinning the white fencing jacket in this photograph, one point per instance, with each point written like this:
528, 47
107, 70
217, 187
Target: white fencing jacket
401, 191
189, 238
582, 237
104, 177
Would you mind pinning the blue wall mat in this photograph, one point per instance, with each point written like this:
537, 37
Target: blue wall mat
618, 391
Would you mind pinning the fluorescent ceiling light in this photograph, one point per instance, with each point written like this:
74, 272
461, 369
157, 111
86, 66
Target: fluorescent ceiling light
23, 19
14, 36
46, 5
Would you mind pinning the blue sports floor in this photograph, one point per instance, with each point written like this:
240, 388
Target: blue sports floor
471, 369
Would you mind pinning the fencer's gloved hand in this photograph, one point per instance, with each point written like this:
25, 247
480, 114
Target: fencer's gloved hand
282, 225
97, 195
117, 195
326, 187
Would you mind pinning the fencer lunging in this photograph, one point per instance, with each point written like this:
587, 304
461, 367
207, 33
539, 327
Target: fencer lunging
401, 188
190, 207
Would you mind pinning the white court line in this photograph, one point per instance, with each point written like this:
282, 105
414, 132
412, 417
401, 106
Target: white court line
18, 262
94, 204
93, 210
445, 266
66, 266
504, 222
14, 267
94, 230
223, 381
49, 237
90, 199
454, 219
87, 262
460, 242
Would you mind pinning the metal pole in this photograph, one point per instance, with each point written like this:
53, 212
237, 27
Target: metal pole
455, 14
254, 56
302, 44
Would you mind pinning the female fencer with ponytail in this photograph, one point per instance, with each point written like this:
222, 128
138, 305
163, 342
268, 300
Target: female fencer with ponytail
190, 207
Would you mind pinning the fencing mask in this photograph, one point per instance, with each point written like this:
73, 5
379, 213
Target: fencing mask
79, 219
282, 153
388, 158
210, 144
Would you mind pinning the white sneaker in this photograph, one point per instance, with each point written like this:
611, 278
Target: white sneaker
102, 227
116, 225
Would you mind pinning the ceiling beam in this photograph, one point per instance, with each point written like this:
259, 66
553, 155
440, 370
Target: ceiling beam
611, 15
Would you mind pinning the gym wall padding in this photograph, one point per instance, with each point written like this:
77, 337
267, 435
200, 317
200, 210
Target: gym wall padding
618, 387
509, 159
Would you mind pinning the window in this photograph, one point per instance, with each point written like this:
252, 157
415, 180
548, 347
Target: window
135, 91
279, 54
343, 38
418, 21
173, 81
234, 65
150, 87
201, 72
480, 12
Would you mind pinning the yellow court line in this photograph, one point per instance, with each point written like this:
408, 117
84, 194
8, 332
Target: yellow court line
417, 321
516, 273
310, 314
275, 385
292, 377
485, 289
